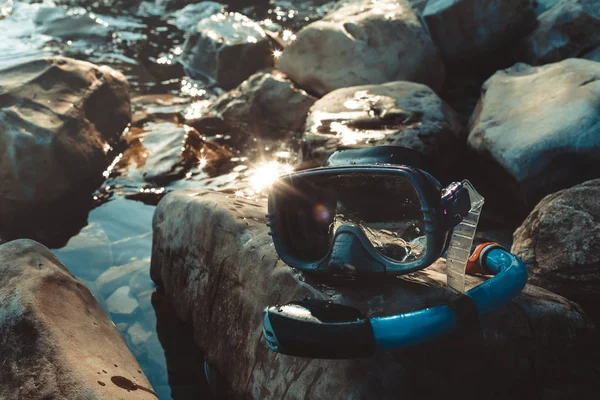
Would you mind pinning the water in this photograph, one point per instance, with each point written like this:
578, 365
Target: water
105, 237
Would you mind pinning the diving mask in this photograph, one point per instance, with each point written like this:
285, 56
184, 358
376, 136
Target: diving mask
363, 219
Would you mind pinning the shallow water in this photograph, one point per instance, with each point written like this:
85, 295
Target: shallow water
110, 251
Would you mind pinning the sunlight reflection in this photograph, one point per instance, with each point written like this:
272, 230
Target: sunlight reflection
266, 173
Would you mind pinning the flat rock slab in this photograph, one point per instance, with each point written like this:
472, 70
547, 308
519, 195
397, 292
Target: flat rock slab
55, 340
217, 265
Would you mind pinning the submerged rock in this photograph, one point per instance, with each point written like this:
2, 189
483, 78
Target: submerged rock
56, 341
186, 18
537, 129
362, 43
568, 29
166, 151
226, 48
220, 280
266, 105
477, 31
560, 243
58, 117
397, 113
71, 24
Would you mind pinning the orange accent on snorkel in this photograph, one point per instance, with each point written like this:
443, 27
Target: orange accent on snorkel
473, 265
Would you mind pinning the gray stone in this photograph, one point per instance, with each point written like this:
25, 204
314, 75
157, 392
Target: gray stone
226, 48
537, 129
560, 243
397, 113
58, 117
475, 30
121, 302
55, 340
266, 105
217, 265
568, 29
363, 43
186, 18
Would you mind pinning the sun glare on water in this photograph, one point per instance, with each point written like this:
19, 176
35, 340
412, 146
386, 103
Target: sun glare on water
266, 173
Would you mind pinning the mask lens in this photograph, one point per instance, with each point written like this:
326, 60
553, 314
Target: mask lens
385, 206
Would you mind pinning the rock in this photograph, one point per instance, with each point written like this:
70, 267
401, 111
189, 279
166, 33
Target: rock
472, 32
593, 55
6, 7
215, 262
58, 117
166, 151
226, 49
120, 302
56, 341
397, 113
568, 29
266, 105
560, 243
71, 24
123, 275
186, 18
353, 46
537, 129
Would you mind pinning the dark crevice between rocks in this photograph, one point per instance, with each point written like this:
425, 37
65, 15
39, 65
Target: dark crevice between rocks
185, 361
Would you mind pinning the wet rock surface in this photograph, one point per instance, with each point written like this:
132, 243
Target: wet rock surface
226, 48
537, 129
71, 24
351, 46
219, 270
560, 243
167, 151
58, 119
397, 113
570, 28
473, 30
266, 105
56, 341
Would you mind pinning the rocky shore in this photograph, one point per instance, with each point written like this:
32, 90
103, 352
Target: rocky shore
110, 106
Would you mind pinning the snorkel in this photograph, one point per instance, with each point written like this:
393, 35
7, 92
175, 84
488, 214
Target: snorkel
321, 329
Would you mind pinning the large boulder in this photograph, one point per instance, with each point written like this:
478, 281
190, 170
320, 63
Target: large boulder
55, 340
214, 260
568, 29
362, 43
560, 243
58, 117
475, 31
226, 48
266, 105
397, 113
537, 129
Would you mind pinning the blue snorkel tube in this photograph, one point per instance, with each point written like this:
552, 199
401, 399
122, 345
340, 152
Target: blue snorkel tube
413, 328
318, 329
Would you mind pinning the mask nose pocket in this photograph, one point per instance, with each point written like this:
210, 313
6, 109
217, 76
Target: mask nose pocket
349, 254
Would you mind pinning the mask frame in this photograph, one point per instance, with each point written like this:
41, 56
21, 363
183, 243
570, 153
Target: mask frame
440, 215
